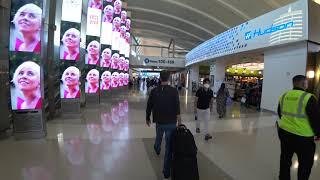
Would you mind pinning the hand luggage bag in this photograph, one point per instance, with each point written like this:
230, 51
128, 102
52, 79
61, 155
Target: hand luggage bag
184, 155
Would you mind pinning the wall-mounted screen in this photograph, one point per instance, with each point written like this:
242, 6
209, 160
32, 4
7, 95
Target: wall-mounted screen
105, 83
70, 41
121, 79
92, 81
25, 78
115, 60
71, 10
106, 54
92, 50
70, 81
115, 79
106, 29
25, 29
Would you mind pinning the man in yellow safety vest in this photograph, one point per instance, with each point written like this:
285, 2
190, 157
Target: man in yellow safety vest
299, 127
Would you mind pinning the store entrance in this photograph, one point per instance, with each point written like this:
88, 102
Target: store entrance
244, 82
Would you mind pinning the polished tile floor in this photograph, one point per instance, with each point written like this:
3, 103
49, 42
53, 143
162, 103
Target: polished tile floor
112, 142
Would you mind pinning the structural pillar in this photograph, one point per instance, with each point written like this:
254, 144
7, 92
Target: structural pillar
217, 70
194, 76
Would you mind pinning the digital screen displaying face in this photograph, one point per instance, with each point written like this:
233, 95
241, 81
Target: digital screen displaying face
71, 10
126, 79
115, 80
105, 83
92, 81
115, 58
26, 26
25, 76
122, 63
117, 7
94, 17
123, 16
70, 81
106, 55
126, 65
107, 24
70, 41
92, 51
121, 79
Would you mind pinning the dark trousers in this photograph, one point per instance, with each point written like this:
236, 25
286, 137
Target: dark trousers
304, 149
166, 129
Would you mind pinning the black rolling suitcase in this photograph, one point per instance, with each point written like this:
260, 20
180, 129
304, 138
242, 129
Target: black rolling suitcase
184, 155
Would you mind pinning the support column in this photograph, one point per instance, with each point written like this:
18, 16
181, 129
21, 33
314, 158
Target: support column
194, 76
218, 73
280, 66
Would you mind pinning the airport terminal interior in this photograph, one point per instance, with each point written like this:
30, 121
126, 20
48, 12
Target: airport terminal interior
76, 76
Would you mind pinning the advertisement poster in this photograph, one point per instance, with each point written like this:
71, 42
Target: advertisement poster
106, 54
70, 41
106, 29
105, 82
92, 81
25, 27
70, 81
92, 51
25, 78
71, 10
93, 22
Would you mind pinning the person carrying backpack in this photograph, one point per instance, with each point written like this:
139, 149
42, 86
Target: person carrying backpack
164, 104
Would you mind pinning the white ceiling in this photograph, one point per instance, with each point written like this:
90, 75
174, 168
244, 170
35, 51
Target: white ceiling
190, 22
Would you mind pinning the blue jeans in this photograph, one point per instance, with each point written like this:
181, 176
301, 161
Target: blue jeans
167, 129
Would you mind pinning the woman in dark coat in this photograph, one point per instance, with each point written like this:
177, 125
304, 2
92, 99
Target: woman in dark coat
222, 96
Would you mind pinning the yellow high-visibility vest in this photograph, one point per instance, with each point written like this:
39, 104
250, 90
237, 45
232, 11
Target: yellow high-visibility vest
293, 113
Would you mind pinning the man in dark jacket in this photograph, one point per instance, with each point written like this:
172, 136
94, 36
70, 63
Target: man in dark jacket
299, 127
164, 104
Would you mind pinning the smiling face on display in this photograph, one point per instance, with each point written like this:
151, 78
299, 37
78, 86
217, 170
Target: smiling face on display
115, 78
121, 62
28, 18
117, 23
93, 48
106, 55
93, 76
121, 76
128, 24
123, 30
28, 79
71, 38
106, 77
123, 15
71, 78
128, 36
115, 58
108, 10
117, 5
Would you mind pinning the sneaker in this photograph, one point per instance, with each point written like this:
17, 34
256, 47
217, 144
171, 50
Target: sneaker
207, 137
198, 130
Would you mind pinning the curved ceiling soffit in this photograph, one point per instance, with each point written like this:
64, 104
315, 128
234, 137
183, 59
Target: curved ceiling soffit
172, 17
184, 43
199, 12
273, 3
235, 10
167, 26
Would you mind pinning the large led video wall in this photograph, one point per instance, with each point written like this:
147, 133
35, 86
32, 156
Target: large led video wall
70, 38
25, 48
107, 47
115, 46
